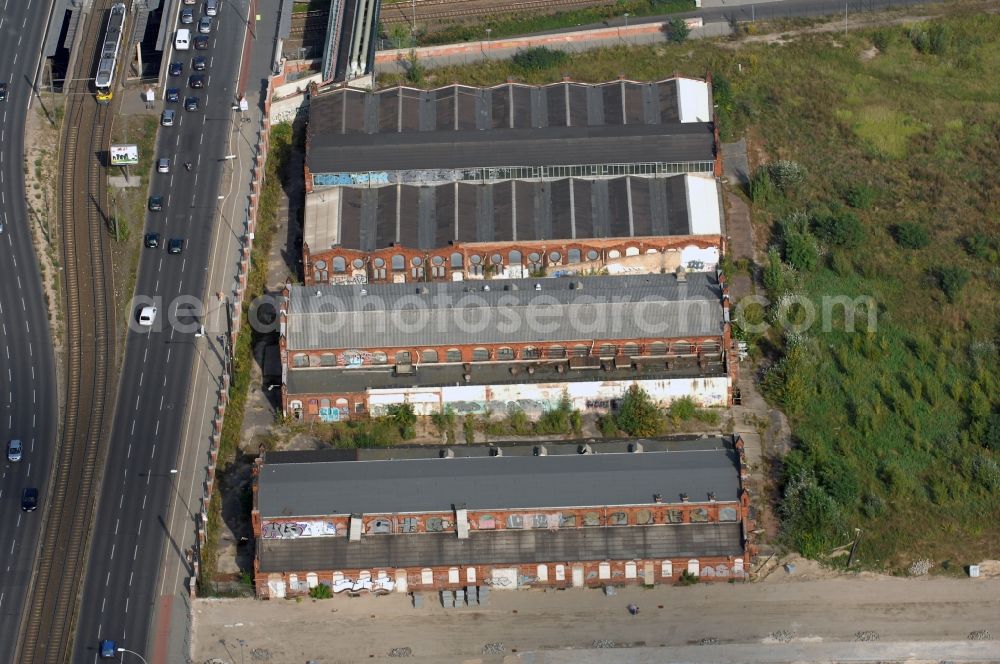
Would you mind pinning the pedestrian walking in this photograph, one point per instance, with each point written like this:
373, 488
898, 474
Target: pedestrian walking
633, 609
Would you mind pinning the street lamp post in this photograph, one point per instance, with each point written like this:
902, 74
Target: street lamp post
132, 652
626, 26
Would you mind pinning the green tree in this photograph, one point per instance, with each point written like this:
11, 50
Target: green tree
839, 229
677, 30
404, 418
469, 428
682, 409
786, 175
538, 58
812, 521
638, 415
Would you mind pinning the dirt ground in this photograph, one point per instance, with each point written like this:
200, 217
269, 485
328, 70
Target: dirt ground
807, 606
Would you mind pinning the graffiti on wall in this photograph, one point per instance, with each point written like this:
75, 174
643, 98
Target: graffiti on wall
299, 529
334, 414
349, 279
356, 358
335, 179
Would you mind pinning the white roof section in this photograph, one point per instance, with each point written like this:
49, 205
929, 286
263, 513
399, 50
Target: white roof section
693, 101
703, 205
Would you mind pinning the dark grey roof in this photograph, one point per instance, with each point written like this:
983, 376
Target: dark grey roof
690, 540
510, 311
569, 146
436, 485
431, 216
324, 380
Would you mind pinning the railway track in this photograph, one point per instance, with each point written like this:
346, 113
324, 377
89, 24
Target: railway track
48, 628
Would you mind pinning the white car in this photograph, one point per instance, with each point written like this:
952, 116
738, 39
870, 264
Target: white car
14, 451
147, 316
163, 165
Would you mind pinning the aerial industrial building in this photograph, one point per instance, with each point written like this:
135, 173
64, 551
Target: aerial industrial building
548, 515
511, 181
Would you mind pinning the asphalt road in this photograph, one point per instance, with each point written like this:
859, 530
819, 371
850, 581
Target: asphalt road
137, 487
28, 394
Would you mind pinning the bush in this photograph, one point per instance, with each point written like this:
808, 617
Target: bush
860, 196
991, 437
444, 421
638, 415
839, 229
518, 422
320, 591
762, 188
559, 419
538, 58
788, 382
881, 40
610, 430
778, 278
802, 251
469, 428
911, 235
415, 71
811, 519
677, 30
786, 175
687, 579
682, 409
952, 280
983, 246
403, 417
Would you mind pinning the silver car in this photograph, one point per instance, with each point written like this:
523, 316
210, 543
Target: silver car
14, 451
167, 119
205, 25
187, 16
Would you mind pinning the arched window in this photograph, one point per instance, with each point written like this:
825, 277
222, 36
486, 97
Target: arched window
378, 269
505, 353
403, 357
556, 352
320, 264
416, 260
631, 251
476, 266
328, 360
592, 255
480, 355
630, 350
300, 360
555, 257
530, 353
398, 262
682, 348
514, 257
608, 350
456, 261
580, 350
573, 256
658, 348
437, 266
324, 403
429, 355
496, 259
357, 263
453, 355
614, 253
339, 265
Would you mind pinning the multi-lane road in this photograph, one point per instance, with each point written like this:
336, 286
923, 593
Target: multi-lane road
133, 512
28, 395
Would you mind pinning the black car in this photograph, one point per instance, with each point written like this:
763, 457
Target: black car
155, 203
173, 95
152, 240
3, 92
175, 245
200, 63
176, 68
201, 42
196, 81
29, 499
191, 104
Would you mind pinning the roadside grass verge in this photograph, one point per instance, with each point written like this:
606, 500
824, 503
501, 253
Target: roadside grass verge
242, 363
896, 429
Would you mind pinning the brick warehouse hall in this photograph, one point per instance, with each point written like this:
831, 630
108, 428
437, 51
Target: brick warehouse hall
550, 515
511, 181
351, 351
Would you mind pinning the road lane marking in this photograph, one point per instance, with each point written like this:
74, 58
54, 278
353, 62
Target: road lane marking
112, 551
116, 531
107, 580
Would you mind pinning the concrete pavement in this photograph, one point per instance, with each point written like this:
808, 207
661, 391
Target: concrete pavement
170, 641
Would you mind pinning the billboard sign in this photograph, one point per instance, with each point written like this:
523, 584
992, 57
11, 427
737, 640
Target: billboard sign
124, 155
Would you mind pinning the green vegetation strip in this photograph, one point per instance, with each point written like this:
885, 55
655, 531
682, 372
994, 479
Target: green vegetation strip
280, 149
875, 155
524, 23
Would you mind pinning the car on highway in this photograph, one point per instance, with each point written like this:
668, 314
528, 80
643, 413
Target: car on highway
147, 316
29, 499
175, 245
191, 104
176, 68
187, 16
196, 81
211, 7
162, 165
155, 203
152, 240
173, 95
108, 649
14, 450
190, 2
201, 42
199, 63
3, 92
205, 25
167, 118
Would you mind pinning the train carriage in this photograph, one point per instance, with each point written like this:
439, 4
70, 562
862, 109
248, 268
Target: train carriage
107, 64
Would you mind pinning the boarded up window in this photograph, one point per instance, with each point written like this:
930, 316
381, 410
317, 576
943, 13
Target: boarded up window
727, 514
435, 524
618, 519
699, 515
409, 524
675, 516
591, 519
515, 521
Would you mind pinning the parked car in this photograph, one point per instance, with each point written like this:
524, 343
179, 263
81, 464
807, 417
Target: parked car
14, 450
155, 203
152, 240
29, 499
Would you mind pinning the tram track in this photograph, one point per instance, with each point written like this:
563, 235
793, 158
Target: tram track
48, 627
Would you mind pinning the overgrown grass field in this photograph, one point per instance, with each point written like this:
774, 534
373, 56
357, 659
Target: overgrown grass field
895, 132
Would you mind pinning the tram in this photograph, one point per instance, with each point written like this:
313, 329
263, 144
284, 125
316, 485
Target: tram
107, 65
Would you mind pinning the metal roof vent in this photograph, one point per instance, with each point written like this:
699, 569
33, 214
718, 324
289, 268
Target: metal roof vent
657, 498
711, 496
538, 287
584, 449
684, 497
364, 291
423, 290
539, 450
486, 287
531, 370
576, 285
467, 377
635, 448
496, 452
447, 453
318, 292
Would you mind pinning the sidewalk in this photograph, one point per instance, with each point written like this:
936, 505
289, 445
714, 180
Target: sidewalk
170, 636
